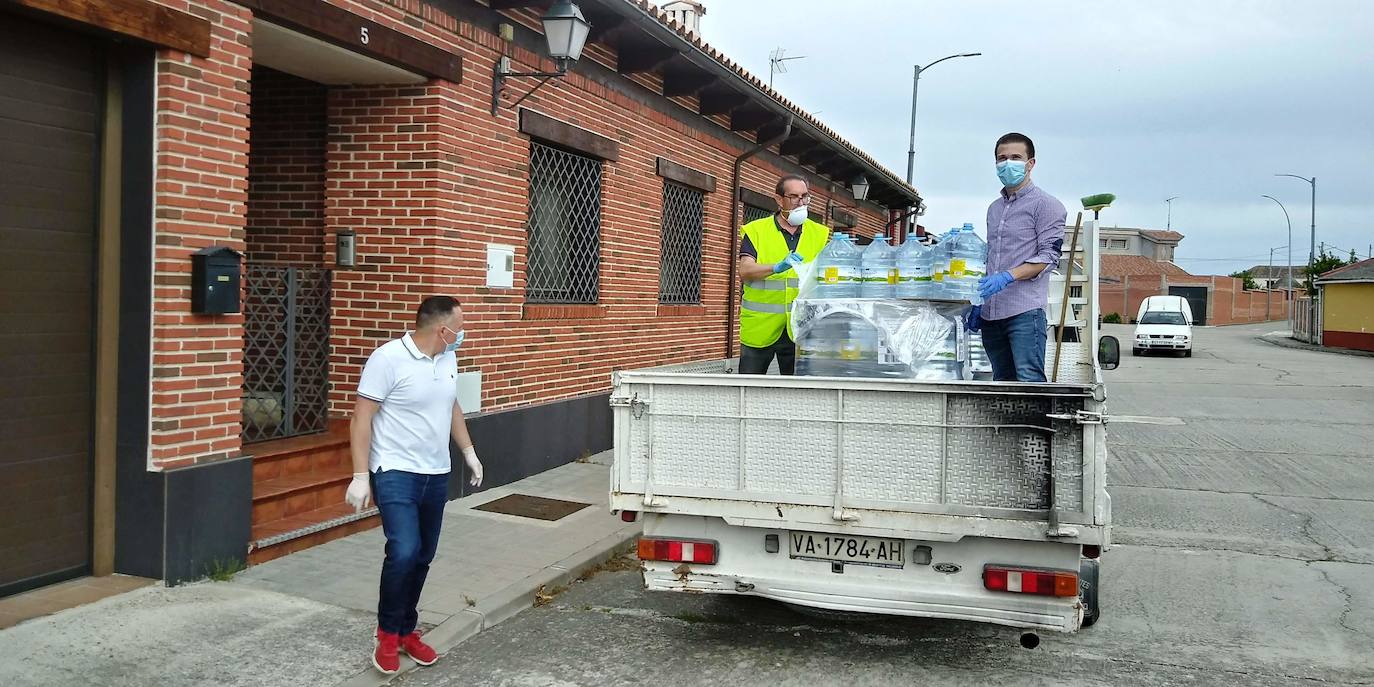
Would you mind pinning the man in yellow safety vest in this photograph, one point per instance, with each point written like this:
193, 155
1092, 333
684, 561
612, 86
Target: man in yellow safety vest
771, 248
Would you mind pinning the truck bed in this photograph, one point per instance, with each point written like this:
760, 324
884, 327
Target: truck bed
935, 461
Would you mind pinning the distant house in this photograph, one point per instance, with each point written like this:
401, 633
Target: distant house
1138, 263
1154, 244
1277, 276
1347, 306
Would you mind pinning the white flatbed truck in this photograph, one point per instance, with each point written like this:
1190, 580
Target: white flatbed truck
979, 501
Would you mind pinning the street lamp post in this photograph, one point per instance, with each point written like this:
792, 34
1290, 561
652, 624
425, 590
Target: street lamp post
1289, 269
911, 143
1311, 258
1169, 218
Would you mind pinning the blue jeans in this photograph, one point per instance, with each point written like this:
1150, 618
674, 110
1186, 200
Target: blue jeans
412, 507
1016, 346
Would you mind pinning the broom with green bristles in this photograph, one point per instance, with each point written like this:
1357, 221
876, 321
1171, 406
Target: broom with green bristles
1096, 203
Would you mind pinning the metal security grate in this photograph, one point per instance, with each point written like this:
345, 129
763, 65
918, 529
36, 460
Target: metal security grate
679, 275
286, 352
564, 227
753, 212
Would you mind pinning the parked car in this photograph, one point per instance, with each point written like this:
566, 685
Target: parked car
1165, 323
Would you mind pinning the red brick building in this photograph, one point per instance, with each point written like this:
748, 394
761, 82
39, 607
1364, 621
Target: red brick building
587, 227
1125, 282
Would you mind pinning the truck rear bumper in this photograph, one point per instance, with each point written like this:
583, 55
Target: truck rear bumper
1010, 610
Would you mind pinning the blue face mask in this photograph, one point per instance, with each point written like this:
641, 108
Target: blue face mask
1011, 172
451, 347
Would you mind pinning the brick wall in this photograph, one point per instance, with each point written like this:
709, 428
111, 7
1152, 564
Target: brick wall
285, 220
1227, 301
474, 187
200, 189
426, 177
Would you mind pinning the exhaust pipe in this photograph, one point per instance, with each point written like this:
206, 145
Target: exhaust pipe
1030, 640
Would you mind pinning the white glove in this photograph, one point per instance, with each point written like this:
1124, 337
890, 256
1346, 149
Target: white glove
474, 466
359, 494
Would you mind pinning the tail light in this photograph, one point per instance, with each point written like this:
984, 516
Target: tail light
1028, 581
1092, 551
629, 515
678, 550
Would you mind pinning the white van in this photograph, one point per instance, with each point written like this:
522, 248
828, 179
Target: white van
1164, 323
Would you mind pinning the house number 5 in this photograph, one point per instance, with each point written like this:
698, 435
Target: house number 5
362, 35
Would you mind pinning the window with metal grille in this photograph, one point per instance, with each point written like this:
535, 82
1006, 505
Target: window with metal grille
754, 212
1075, 292
679, 274
564, 234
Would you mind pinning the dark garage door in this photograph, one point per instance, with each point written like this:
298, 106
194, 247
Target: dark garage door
1197, 300
49, 100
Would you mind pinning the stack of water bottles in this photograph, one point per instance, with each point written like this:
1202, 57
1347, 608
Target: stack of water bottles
889, 311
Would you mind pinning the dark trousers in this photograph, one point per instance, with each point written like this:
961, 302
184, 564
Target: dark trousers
1016, 346
412, 507
755, 361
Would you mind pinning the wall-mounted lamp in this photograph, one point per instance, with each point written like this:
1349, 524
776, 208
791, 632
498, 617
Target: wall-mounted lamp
565, 31
345, 248
859, 187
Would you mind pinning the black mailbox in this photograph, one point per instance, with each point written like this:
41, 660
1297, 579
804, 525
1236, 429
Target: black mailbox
215, 281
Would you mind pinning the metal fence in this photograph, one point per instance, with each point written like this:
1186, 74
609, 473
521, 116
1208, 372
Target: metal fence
679, 274
564, 227
286, 352
1307, 320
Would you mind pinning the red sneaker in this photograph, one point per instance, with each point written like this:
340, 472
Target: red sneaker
385, 658
422, 653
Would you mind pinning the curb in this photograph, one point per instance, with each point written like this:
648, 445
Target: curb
1287, 342
506, 603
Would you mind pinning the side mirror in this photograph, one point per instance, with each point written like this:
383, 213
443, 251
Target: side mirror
1108, 352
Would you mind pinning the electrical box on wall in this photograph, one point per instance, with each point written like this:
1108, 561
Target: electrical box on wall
215, 277
470, 392
500, 266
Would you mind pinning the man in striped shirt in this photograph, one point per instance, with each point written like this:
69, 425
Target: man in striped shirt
1025, 236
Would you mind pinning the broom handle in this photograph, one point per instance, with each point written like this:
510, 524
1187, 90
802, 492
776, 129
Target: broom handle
1064, 304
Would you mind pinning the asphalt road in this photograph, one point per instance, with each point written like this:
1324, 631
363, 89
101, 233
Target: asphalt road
1245, 556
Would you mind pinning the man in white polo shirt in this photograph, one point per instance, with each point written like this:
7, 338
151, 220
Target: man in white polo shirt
405, 413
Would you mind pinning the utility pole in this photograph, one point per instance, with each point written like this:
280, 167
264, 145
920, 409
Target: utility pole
1269, 284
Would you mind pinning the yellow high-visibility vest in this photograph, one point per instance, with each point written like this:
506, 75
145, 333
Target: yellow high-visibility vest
764, 312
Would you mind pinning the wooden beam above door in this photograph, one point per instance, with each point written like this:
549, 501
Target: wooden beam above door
359, 34
141, 19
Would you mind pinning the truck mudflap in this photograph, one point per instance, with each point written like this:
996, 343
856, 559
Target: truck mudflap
1011, 610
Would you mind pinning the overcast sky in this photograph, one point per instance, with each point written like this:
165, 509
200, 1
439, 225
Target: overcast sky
1201, 99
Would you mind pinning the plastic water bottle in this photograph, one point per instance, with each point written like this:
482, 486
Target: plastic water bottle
840, 344
913, 269
879, 269
968, 263
939, 267
945, 363
838, 269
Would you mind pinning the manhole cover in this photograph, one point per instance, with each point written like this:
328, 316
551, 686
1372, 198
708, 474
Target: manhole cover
536, 507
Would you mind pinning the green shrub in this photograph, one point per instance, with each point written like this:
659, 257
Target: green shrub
1112, 318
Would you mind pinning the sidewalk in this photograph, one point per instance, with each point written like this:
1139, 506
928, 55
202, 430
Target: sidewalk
1284, 339
308, 618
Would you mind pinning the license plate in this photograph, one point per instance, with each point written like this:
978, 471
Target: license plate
815, 546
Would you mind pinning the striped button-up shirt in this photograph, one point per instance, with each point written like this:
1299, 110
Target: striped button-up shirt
1026, 226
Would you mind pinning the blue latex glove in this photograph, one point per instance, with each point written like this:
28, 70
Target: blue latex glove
792, 260
973, 319
993, 284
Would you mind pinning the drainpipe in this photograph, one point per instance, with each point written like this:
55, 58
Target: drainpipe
731, 310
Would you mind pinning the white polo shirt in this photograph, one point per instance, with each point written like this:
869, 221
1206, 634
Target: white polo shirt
417, 393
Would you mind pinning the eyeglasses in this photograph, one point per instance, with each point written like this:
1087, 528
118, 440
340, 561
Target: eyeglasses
797, 197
